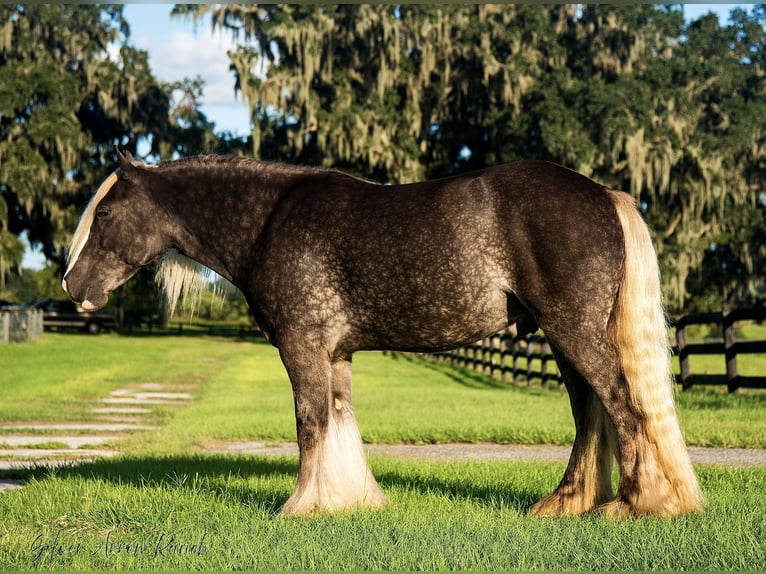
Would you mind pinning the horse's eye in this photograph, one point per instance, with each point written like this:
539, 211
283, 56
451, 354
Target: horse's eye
103, 212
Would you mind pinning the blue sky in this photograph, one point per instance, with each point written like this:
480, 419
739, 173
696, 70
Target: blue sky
178, 48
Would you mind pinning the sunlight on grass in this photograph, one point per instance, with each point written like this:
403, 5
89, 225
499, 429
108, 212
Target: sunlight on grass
242, 392
164, 505
220, 514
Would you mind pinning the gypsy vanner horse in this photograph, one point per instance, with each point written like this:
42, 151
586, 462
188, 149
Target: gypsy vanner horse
331, 264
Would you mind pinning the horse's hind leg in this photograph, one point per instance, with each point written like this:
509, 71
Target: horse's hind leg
652, 459
587, 481
333, 473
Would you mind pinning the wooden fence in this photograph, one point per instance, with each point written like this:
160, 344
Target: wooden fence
508, 357
729, 347
20, 325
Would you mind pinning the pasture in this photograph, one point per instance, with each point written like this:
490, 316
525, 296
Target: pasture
168, 503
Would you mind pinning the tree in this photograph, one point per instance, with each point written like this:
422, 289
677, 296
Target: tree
65, 102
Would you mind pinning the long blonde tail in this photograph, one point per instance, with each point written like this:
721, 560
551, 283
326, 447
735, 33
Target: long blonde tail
641, 336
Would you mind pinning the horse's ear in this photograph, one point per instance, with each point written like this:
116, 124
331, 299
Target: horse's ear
127, 166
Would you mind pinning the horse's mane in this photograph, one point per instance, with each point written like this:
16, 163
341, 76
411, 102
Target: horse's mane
260, 167
185, 281
181, 279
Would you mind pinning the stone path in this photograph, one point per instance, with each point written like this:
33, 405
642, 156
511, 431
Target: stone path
491, 451
121, 413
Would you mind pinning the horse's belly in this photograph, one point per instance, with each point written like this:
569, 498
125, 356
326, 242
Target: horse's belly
442, 321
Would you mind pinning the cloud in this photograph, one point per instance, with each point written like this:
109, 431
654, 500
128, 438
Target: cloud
179, 48
191, 55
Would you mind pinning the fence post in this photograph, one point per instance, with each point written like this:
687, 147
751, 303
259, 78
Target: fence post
683, 354
5, 319
730, 351
530, 353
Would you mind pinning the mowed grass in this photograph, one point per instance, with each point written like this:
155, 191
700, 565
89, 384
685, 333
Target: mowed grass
60, 376
242, 393
219, 513
167, 504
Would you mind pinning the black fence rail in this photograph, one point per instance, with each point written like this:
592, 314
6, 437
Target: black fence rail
508, 357
20, 325
729, 347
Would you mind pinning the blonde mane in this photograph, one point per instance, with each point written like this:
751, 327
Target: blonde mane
81, 234
184, 280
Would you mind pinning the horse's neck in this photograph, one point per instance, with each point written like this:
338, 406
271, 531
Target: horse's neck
219, 212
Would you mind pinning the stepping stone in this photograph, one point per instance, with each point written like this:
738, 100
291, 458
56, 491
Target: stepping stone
73, 442
136, 401
151, 386
131, 394
26, 464
41, 453
120, 411
92, 427
166, 396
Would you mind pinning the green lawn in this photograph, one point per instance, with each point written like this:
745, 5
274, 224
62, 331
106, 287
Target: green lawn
243, 393
166, 505
218, 513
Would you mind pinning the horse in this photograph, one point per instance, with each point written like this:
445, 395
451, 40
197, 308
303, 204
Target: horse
331, 264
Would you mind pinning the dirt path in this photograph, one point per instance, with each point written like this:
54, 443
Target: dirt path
490, 451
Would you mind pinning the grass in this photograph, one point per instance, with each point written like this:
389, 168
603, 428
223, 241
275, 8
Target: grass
57, 377
243, 394
123, 515
166, 505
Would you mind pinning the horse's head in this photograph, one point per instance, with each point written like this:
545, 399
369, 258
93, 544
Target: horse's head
120, 231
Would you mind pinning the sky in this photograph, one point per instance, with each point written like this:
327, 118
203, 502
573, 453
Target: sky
178, 48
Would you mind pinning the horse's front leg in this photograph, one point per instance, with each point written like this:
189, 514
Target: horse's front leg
333, 473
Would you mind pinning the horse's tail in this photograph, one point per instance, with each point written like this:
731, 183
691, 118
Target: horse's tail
641, 336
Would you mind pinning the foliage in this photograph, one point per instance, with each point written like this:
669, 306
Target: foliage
71, 88
628, 94
31, 284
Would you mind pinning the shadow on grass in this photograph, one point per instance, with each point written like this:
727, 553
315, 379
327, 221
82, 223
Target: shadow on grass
208, 473
211, 474
497, 496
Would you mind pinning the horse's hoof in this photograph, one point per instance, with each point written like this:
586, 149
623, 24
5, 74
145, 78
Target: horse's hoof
560, 504
309, 503
623, 508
